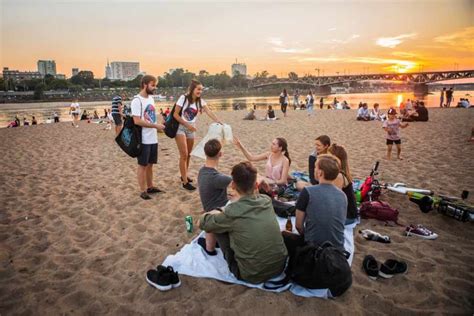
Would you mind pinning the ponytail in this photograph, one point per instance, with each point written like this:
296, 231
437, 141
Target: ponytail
284, 147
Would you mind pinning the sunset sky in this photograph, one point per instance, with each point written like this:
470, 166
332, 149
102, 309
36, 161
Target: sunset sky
334, 36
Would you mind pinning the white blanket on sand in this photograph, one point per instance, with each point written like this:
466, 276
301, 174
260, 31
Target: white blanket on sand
192, 261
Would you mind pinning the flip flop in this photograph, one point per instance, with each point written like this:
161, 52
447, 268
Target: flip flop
145, 196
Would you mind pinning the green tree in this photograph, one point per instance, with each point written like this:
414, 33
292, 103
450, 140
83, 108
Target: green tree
293, 76
39, 92
84, 78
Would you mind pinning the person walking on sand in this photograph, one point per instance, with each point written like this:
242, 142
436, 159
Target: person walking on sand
441, 98
310, 103
321, 103
296, 98
117, 113
75, 111
392, 126
284, 101
449, 97
144, 115
188, 107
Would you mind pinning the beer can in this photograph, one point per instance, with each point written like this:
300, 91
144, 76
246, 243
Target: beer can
189, 223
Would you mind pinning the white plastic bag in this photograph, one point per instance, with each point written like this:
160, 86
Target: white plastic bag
223, 133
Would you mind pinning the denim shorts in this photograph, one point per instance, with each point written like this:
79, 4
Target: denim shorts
182, 130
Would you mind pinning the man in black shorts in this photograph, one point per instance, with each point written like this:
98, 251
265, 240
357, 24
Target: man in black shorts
117, 113
144, 115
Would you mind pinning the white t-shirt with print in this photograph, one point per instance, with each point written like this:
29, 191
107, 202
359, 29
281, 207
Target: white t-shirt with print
147, 113
76, 108
190, 111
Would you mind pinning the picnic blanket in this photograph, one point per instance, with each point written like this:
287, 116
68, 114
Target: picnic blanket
192, 261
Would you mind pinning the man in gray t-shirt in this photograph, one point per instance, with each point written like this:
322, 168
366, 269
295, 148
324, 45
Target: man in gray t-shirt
325, 208
212, 187
320, 210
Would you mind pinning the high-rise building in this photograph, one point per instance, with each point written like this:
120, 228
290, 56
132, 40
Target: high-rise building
75, 71
124, 70
239, 69
108, 70
16, 75
47, 67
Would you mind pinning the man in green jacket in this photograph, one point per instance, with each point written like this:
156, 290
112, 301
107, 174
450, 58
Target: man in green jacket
247, 230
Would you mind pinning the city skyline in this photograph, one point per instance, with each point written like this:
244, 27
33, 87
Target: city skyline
305, 37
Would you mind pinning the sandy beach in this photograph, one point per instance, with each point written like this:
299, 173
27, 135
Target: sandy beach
76, 238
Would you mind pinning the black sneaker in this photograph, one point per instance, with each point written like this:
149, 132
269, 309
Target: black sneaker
391, 267
188, 186
145, 196
159, 279
371, 267
173, 275
202, 242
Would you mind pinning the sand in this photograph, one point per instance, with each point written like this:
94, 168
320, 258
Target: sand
75, 238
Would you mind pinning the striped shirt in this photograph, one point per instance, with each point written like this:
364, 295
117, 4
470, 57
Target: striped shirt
115, 104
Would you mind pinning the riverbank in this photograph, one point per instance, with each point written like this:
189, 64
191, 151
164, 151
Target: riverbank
77, 239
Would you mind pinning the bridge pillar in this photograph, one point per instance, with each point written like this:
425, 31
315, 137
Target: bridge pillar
322, 90
420, 89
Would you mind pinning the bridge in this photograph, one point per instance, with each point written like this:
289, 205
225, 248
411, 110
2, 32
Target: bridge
323, 83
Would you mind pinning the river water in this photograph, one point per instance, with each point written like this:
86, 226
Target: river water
43, 111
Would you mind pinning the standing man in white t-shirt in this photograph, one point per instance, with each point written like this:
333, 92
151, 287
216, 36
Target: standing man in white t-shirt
75, 110
144, 115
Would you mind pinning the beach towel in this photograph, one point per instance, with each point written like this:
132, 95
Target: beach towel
221, 132
192, 261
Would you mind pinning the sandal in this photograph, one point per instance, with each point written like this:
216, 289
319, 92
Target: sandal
154, 190
145, 196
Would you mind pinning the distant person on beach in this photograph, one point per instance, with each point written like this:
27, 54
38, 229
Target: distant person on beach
345, 105
441, 98
449, 97
344, 181
191, 104
464, 103
25, 122
75, 111
212, 189
105, 114
270, 114
363, 113
420, 114
96, 115
250, 115
144, 115
15, 122
408, 106
117, 113
321, 146
392, 126
247, 232
310, 103
34, 121
334, 104
296, 98
321, 103
284, 101
376, 114
321, 210
278, 161
302, 105
84, 116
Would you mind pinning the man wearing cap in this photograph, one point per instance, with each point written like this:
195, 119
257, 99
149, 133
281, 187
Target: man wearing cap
117, 113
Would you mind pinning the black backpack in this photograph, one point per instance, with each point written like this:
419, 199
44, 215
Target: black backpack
321, 267
130, 137
171, 124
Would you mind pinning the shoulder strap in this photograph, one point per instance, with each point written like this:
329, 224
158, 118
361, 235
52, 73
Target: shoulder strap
141, 105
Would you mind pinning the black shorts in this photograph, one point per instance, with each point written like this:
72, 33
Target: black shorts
283, 107
390, 142
149, 155
117, 118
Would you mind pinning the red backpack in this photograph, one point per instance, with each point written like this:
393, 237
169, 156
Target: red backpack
379, 210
